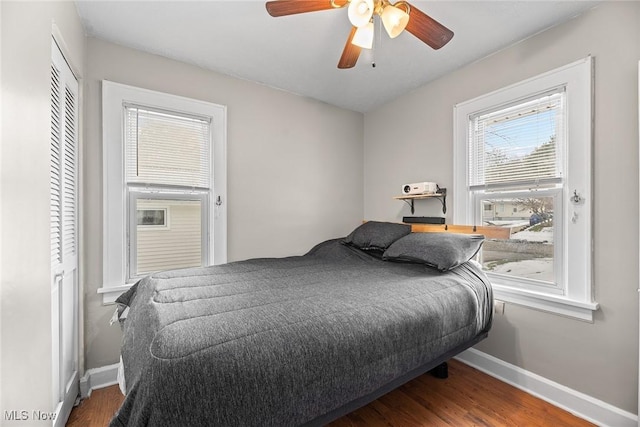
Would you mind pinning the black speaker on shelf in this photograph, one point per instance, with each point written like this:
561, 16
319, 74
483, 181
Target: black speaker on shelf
423, 219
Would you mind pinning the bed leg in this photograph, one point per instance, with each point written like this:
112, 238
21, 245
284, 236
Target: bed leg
441, 371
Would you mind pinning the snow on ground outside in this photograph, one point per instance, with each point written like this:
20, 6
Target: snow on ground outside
537, 268
544, 235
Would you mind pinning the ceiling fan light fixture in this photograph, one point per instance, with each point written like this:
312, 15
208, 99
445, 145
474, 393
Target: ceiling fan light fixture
360, 12
397, 17
364, 36
394, 20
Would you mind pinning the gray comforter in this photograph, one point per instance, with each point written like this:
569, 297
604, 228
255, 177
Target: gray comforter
279, 342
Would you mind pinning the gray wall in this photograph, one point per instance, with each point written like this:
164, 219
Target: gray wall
599, 359
296, 177
295, 169
25, 248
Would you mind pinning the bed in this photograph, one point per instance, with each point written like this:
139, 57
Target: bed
300, 340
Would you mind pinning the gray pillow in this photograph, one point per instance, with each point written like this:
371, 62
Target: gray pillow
443, 251
376, 236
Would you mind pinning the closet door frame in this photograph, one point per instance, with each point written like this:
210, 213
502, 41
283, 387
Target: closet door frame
65, 220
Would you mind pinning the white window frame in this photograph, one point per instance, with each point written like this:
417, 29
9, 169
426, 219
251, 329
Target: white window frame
574, 298
115, 254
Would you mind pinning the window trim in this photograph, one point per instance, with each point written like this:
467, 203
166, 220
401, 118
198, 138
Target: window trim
114, 97
577, 299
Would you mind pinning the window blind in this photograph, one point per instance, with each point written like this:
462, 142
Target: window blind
167, 149
518, 144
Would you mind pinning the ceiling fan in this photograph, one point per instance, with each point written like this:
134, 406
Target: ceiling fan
395, 18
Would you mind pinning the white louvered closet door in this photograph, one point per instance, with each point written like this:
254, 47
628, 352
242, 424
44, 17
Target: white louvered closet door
64, 234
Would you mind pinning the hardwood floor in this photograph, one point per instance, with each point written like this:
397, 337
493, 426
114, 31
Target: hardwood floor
97, 410
467, 398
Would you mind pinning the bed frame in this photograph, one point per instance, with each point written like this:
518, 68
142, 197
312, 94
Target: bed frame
437, 367
364, 400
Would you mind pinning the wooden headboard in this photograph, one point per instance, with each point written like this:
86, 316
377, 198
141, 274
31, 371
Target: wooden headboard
486, 231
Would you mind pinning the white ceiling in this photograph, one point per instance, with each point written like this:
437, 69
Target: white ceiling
299, 53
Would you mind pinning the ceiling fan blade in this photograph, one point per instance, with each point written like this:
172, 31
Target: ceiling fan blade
350, 53
428, 29
291, 7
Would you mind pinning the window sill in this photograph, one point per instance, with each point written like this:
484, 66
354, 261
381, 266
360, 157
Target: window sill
555, 304
111, 293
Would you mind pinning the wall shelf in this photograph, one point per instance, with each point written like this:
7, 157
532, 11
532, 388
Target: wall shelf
441, 195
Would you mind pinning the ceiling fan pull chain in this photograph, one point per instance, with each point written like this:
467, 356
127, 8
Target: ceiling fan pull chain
373, 51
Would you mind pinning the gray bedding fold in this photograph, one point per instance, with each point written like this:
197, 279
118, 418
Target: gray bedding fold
279, 342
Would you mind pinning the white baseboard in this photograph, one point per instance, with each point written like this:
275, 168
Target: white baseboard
579, 404
97, 378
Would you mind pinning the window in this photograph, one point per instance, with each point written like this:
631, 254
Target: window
523, 161
164, 180
167, 163
150, 218
515, 163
